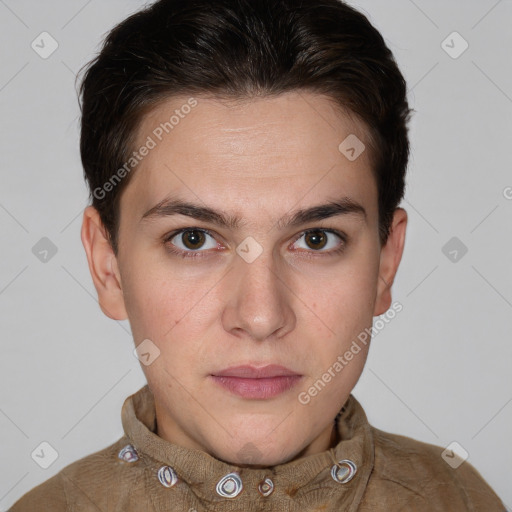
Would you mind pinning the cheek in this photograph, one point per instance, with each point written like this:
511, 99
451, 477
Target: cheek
345, 299
154, 301
343, 308
171, 311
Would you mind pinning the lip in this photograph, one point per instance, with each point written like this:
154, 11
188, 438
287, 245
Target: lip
257, 383
255, 372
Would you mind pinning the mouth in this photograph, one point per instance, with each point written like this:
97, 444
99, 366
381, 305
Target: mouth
257, 383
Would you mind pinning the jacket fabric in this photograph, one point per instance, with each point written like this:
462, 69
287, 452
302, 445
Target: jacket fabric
368, 470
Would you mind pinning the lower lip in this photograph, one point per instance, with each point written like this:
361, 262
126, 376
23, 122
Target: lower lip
258, 389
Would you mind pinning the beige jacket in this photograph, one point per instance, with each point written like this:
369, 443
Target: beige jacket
376, 471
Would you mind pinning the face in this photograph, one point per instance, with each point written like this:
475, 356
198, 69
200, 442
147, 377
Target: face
247, 291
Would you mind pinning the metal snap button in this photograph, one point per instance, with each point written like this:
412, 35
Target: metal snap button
266, 487
229, 486
167, 476
128, 454
344, 471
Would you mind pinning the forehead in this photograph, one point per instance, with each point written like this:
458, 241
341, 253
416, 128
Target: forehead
268, 152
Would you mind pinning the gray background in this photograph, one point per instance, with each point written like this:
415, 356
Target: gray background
439, 372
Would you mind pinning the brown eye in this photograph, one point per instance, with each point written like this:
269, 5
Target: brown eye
322, 241
193, 239
316, 239
190, 241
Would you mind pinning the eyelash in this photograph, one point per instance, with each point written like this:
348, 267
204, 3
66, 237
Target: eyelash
201, 253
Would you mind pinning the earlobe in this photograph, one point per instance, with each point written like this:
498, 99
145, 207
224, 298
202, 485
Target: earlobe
102, 265
390, 257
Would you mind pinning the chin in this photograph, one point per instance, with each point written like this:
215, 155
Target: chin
259, 454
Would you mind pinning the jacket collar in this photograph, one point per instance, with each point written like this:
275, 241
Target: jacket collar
308, 481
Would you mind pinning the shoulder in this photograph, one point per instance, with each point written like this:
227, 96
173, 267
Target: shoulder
419, 472
91, 480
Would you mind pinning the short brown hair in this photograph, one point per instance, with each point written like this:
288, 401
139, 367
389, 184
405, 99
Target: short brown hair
240, 49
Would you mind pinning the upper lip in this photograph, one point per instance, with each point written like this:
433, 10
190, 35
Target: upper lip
253, 372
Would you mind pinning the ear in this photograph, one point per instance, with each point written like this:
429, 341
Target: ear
103, 265
390, 257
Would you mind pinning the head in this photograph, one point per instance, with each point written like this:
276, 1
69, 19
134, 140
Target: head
246, 160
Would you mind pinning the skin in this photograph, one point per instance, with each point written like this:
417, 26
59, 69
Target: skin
261, 159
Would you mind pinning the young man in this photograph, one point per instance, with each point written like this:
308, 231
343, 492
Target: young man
246, 160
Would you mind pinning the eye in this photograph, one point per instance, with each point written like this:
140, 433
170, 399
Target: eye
189, 241
193, 242
319, 239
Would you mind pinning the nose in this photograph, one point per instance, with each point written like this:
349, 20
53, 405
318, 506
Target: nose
259, 302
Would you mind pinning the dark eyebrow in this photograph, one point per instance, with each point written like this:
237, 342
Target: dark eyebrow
169, 207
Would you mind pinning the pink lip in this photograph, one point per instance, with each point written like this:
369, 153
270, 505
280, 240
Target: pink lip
257, 383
